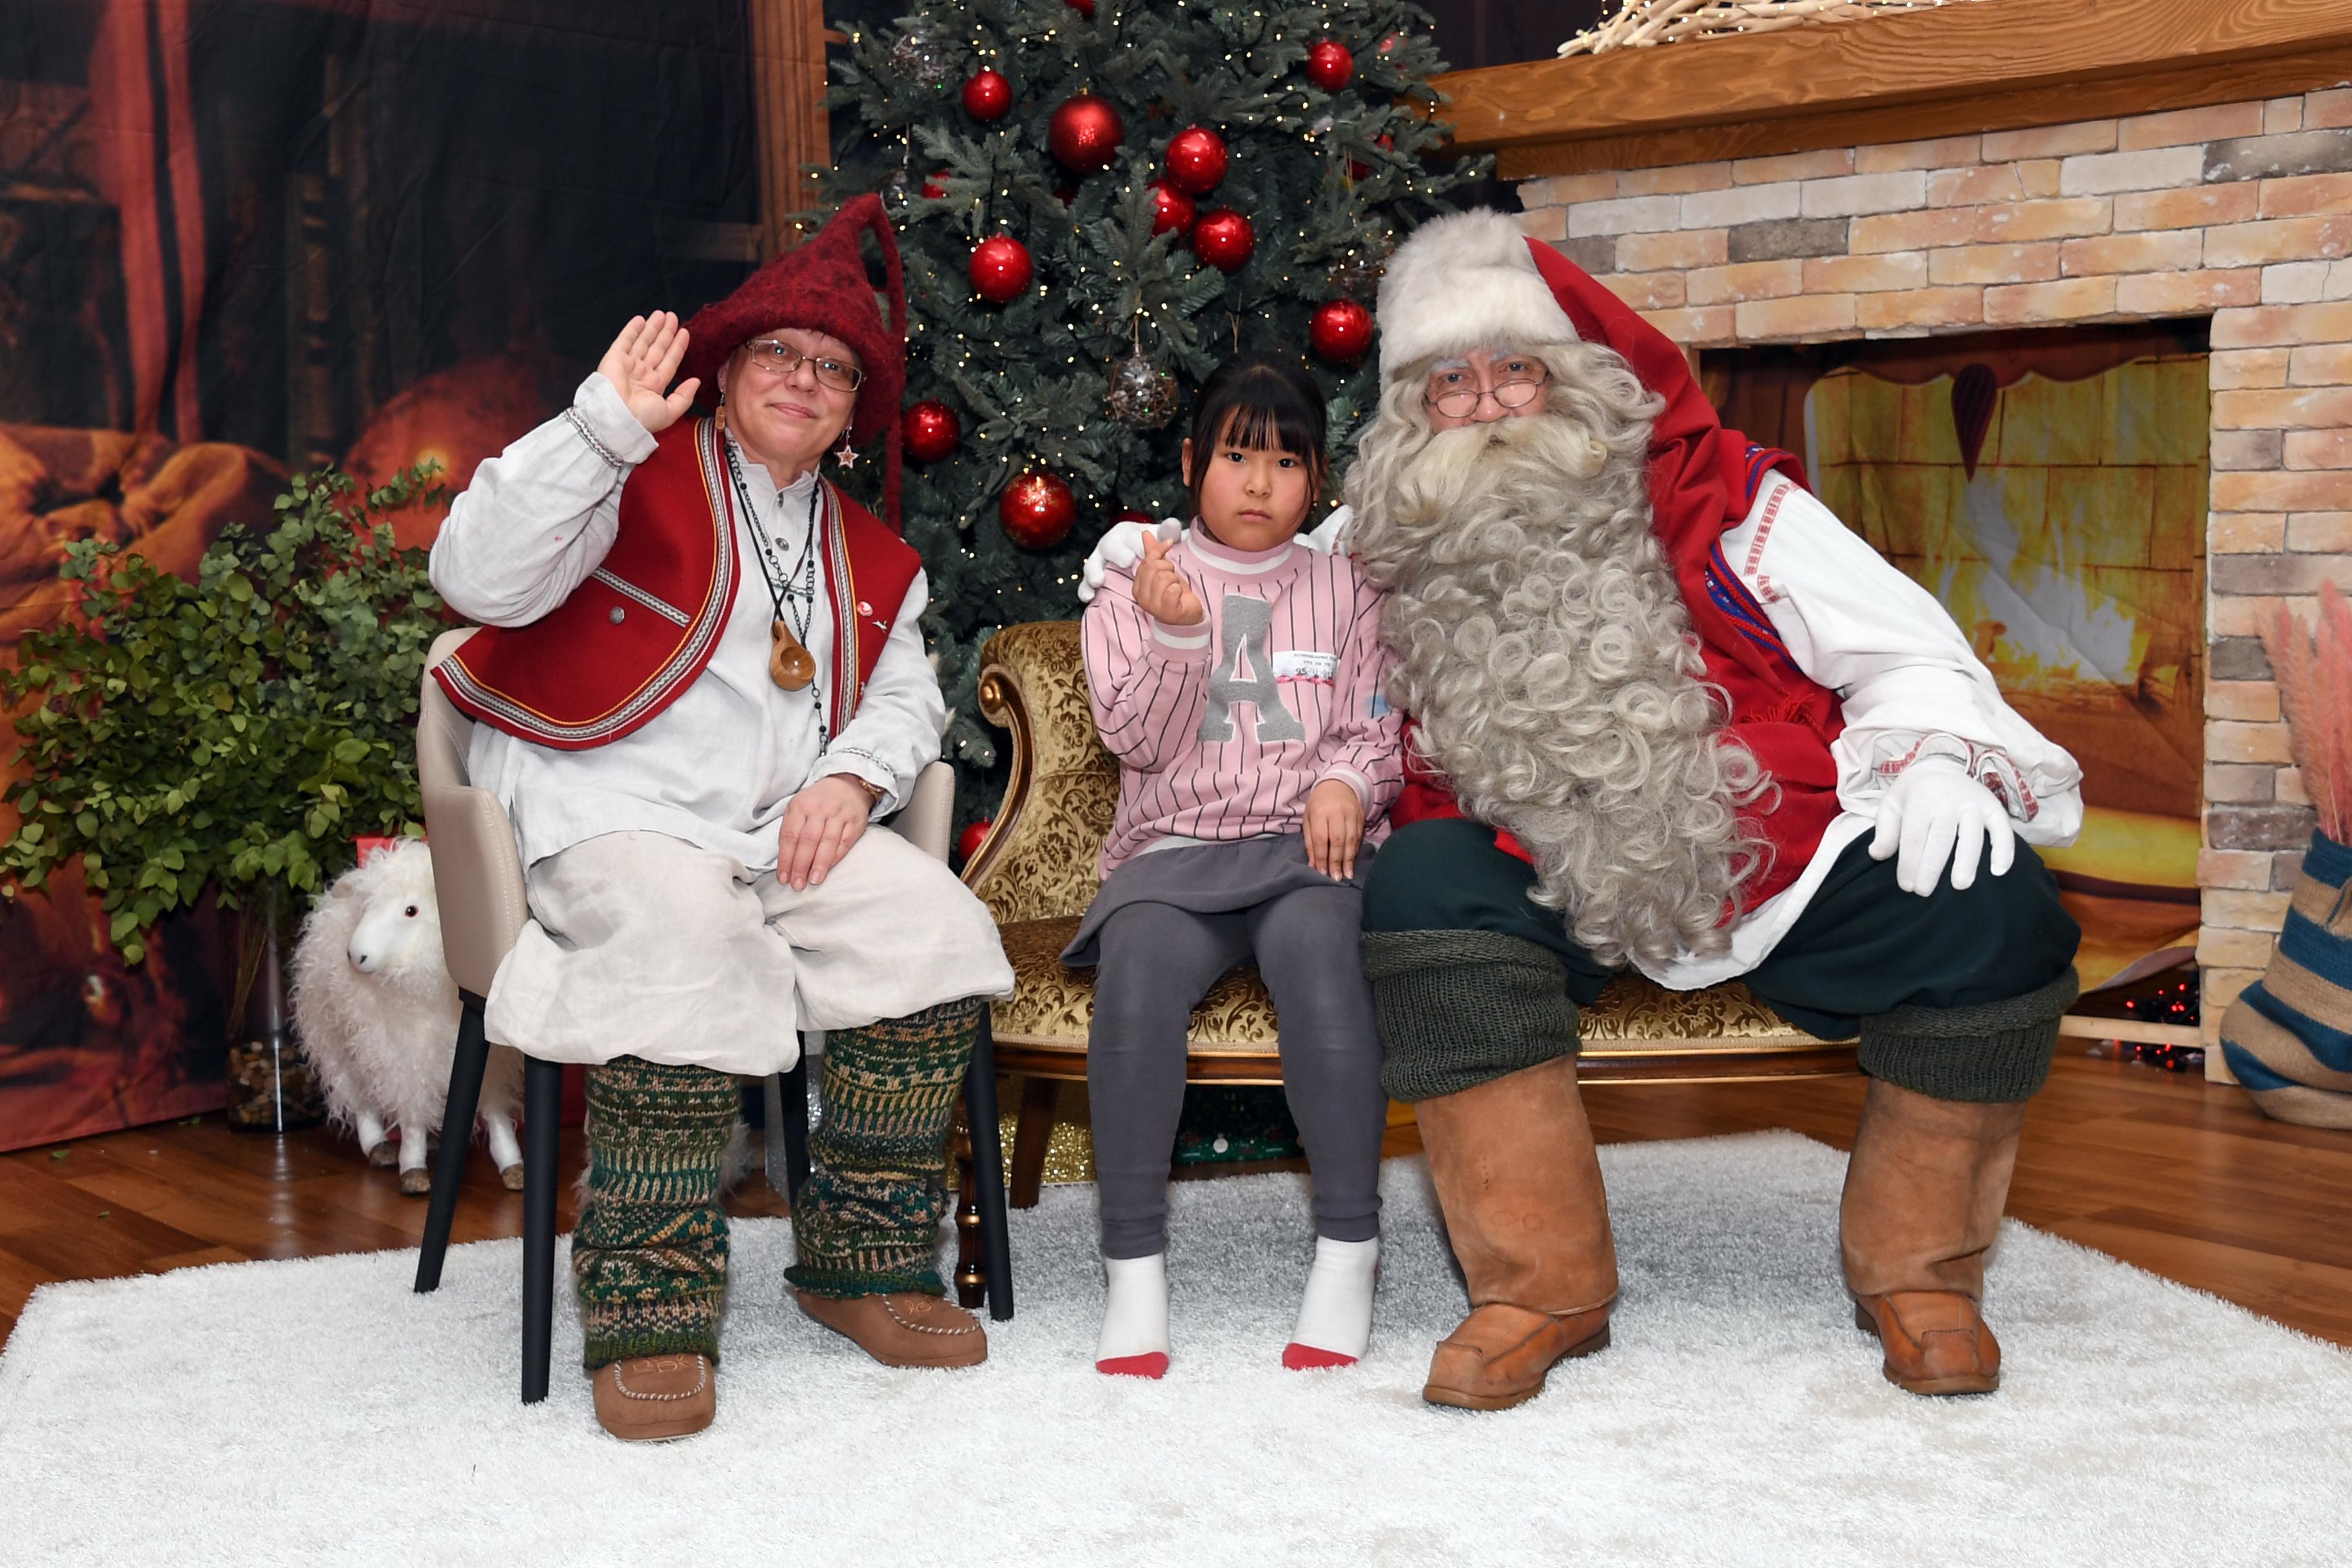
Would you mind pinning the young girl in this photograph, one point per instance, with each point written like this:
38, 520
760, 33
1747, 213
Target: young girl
1237, 676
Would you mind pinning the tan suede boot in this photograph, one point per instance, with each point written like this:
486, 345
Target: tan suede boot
1922, 1198
1519, 1185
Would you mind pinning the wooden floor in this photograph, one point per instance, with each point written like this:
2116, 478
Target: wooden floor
2162, 1170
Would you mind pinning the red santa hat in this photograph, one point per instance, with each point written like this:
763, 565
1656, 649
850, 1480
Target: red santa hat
822, 285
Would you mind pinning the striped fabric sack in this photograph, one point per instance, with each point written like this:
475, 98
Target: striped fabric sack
2288, 1037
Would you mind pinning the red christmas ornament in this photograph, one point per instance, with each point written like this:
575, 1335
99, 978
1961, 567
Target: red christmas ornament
1001, 270
1085, 133
1357, 169
1197, 160
1340, 332
1141, 519
936, 185
968, 842
1038, 509
933, 430
1083, 8
987, 96
1171, 209
1223, 238
1330, 66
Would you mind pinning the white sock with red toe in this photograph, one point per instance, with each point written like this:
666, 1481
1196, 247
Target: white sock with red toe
1335, 1321
1134, 1341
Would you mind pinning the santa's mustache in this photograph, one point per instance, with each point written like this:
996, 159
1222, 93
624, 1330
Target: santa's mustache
1528, 453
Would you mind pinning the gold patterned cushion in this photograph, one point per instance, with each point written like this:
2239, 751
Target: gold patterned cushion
1637, 1014
1053, 1004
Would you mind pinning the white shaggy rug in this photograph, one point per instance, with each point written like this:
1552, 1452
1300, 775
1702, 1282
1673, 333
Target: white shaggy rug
318, 1412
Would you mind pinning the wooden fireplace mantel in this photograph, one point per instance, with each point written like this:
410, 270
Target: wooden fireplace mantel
1986, 65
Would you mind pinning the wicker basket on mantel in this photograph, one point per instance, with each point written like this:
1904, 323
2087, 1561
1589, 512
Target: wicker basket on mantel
1640, 23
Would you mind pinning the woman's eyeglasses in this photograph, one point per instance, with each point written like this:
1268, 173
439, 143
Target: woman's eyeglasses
775, 358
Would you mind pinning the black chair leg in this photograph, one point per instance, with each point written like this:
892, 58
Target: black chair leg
473, 1053
794, 1094
542, 1112
988, 1170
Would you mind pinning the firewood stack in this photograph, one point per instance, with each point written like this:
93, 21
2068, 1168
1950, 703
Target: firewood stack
1641, 24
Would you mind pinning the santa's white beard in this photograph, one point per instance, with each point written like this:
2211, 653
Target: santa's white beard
1548, 658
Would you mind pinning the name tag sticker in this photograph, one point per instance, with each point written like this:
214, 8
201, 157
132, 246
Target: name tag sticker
1300, 664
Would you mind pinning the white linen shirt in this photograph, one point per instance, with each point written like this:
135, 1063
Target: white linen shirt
1907, 684
718, 766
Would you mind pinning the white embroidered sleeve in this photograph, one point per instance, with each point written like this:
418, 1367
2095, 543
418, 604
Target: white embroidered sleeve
900, 717
1905, 677
537, 518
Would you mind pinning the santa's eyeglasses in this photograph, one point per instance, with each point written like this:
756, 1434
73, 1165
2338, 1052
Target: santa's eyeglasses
776, 358
1450, 394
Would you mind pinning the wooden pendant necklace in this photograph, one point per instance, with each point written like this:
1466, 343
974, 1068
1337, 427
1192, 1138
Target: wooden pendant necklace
790, 663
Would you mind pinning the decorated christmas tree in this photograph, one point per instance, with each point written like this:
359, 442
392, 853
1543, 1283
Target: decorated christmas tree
1096, 202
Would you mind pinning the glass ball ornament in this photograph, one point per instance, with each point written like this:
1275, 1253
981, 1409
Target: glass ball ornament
1001, 270
1225, 239
1085, 134
933, 430
1340, 330
1141, 395
1197, 160
1036, 510
987, 95
1330, 65
1171, 209
922, 58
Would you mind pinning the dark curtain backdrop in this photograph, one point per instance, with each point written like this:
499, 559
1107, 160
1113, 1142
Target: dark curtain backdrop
240, 238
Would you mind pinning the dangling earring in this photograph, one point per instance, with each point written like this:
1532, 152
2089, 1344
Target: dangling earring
844, 454
721, 415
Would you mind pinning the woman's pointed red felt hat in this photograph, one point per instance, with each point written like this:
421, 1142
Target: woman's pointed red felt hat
822, 285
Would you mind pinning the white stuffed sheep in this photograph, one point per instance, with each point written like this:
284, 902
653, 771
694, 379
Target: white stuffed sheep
377, 1012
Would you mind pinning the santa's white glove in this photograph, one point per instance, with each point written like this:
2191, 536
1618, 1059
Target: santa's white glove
1330, 535
1119, 548
1935, 812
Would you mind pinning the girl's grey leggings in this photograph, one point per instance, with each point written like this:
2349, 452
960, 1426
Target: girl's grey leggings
1158, 961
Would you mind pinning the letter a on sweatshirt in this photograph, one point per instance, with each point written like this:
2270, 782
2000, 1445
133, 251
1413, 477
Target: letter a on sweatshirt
1245, 625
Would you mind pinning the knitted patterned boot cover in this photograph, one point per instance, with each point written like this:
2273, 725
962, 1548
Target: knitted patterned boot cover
867, 1219
650, 1253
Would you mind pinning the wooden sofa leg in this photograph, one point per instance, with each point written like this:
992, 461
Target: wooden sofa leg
970, 1274
1032, 1134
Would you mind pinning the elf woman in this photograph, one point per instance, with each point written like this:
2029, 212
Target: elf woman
1237, 676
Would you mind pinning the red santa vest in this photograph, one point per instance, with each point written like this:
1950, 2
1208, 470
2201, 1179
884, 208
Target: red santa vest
1704, 480
641, 627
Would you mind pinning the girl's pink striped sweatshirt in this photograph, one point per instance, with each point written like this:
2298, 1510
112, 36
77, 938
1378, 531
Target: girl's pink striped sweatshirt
1221, 729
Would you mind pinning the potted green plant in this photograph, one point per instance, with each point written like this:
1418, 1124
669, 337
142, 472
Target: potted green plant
235, 732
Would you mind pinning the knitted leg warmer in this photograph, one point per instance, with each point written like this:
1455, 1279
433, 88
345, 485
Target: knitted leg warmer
650, 1253
1995, 1052
1459, 1008
867, 1220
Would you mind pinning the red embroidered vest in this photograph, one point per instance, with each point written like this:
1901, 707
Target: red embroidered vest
641, 627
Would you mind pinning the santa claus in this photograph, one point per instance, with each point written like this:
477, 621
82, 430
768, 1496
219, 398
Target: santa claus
1667, 712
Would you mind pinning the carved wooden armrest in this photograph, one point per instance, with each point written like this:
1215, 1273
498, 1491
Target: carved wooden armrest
1039, 859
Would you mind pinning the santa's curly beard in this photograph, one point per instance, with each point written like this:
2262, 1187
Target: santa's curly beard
1548, 658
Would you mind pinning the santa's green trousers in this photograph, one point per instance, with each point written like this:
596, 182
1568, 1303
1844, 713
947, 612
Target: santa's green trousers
1956, 995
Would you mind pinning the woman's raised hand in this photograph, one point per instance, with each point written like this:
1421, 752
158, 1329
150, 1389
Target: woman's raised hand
639, 365
1162, 590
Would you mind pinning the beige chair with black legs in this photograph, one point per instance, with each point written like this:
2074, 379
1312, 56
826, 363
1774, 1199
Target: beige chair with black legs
479, 884
1036, 873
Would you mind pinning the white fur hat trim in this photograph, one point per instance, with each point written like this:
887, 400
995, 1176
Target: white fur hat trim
1465, 281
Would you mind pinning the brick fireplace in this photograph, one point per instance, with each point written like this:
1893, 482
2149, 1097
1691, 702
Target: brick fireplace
2238, 211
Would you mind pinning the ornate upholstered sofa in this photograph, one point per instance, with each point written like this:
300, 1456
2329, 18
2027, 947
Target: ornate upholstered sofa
1036, 870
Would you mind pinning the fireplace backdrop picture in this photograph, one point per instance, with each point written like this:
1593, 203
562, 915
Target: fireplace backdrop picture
242, 238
